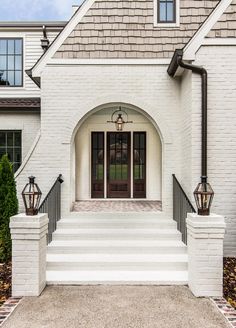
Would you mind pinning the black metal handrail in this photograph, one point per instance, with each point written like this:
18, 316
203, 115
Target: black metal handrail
52, 205
181, 207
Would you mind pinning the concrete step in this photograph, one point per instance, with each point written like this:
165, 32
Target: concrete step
117, 262
114, 234
117, 215
116, 247
117, 277
113, 223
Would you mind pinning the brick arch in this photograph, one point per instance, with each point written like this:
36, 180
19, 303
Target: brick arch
148, 110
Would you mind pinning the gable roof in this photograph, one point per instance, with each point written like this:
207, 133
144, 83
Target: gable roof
75, 19
189, 49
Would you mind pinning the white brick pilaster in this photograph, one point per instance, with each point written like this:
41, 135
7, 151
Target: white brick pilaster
205, 254
29, 244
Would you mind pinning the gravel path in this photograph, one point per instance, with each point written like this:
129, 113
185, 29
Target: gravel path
116, 306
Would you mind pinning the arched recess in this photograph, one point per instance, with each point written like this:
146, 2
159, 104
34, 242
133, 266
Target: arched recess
151, 116
147, 109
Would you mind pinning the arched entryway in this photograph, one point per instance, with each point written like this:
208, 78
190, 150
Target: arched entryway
113, 164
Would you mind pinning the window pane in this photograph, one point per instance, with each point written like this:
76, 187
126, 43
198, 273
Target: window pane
17, 139
162, 11
10, 63
2, 139
18, 47
17, 155
18, 78
18, 62
170, 12
3, 62
10, 154
10, 144
9, 139
3, 46
2, 152
10, 77
10, 47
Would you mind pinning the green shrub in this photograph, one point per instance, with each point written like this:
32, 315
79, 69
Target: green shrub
8, 206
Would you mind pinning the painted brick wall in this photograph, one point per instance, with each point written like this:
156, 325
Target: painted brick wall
125, 29
65, 101
221, 65
186, 133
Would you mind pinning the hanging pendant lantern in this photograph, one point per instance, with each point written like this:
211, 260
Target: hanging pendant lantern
31, 196
119, 121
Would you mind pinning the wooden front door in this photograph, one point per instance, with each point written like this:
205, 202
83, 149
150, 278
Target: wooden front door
118, 165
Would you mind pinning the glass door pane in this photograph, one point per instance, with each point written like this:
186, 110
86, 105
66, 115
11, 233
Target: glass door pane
97, 165
139, 165
118, 164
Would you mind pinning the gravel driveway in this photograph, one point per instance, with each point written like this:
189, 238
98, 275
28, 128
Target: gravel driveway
116, 306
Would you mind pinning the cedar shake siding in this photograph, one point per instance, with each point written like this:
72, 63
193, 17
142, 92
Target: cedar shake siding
226, 25
125, 29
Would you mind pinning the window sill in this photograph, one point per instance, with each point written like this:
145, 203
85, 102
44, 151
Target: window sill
164, 25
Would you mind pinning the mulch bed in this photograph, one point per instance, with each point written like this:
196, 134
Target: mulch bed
230, 280
5, 282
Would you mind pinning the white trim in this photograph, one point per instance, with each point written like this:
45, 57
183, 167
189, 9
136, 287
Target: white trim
71, 61
76, 18
195, 43
219, 42
164, 25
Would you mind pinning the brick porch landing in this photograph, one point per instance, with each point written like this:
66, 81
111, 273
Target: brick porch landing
117, 206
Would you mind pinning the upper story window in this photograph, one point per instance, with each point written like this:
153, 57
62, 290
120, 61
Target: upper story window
10, 144
11, 62
166, 12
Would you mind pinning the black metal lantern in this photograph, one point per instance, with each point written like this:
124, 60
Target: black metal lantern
119, 121
203, 196
31, 196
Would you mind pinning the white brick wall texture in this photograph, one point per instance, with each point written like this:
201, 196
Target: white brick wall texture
69, 93
221, 66
205, 254
29, 244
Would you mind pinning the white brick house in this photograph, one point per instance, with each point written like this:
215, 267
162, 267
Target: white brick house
115, 54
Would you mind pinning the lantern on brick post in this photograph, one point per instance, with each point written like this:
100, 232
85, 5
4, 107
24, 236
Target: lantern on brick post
31, 196
203, 196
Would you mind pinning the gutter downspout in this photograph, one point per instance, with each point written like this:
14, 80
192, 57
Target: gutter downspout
177, 61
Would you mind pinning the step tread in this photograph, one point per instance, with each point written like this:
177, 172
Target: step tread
124, 258
113, 218
122, 277
116, 231
118, 243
